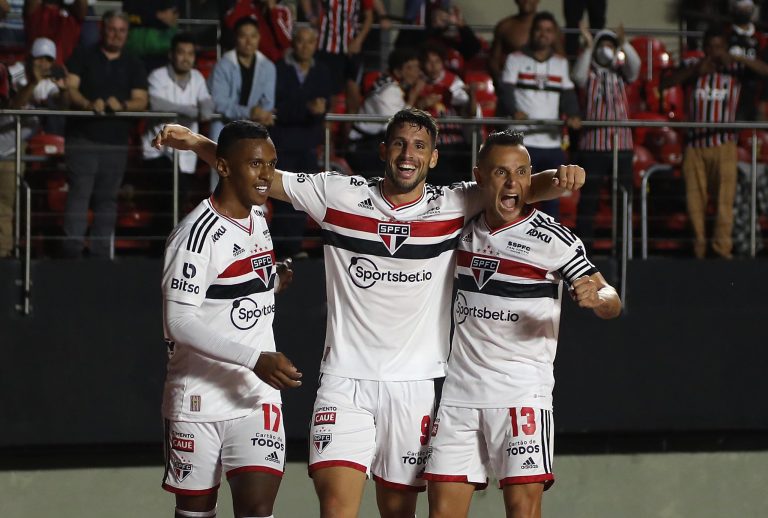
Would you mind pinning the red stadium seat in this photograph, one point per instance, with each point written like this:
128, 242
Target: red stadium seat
639, 133
641, 161
665, 144
745, 141
653, 56
454, 61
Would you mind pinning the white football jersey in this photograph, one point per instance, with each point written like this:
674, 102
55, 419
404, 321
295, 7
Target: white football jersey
507, 311
225, 269
538, 85
388, 273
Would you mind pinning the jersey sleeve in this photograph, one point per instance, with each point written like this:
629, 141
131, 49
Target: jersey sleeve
307, 192
187, 267
574, 262
509, 75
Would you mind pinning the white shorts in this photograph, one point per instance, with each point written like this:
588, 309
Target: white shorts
513, 444
196, 453
381, 427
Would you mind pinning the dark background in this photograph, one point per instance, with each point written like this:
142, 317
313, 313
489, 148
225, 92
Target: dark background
684, 368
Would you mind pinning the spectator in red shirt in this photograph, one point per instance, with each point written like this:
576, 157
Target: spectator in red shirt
275, 24
53, 20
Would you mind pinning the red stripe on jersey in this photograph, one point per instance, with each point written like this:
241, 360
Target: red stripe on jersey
190, 492
336, 463
400, 487
418, 228
243, 266
554, 79
547, 478
506, 266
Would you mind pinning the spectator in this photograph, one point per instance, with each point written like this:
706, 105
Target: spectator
446, 95
53, 20
340, 41
391, 93
275, 25
709, 162
417, 12
745, 41
511, 35
574, 11
153, 25
603, 68
37, 82
448, 29
303, 96
103, 79
536, 85
177, 87
12, 24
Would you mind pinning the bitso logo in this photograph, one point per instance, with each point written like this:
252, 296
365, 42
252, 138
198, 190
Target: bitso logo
483, 269
263, 266
189, 271
246, 313
393, 235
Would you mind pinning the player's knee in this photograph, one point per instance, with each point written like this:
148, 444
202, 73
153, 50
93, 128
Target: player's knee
182, 513
256, 509
523, 505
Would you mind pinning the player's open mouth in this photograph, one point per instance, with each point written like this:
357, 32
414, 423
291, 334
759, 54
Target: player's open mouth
510, 201
406, 169
262, 189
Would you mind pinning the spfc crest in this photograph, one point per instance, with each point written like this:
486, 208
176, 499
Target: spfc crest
483, 269
393, 235
321, 441
181, 469
263, 265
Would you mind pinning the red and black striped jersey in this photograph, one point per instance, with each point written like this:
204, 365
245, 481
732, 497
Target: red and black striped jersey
712, 97
226, 269
606, 100
339, 20
388, 273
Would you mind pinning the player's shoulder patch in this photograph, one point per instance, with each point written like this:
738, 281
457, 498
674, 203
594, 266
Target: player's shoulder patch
548, 230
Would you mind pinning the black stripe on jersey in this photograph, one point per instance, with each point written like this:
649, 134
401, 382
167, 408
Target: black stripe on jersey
199, 223
204, 234
524, 86
166, 449
235, 291
364, 246
559, 231
578, 266
512, 290
543, 433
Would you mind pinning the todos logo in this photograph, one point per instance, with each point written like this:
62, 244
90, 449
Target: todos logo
246, 313
365, 273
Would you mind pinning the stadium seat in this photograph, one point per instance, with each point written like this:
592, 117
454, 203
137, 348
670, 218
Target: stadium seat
653, 50
745, 141
665, 144
642, 160
639, 133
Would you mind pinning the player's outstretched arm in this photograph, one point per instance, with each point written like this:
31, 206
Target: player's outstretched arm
551, 184
277, 371
593, 292
182, 138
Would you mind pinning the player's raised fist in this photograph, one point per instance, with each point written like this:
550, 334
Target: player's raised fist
285, 273
175, 136
570, 177
584, 291
277, 371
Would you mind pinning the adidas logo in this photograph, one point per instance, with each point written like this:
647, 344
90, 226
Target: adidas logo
467, 238
529, 464
366, 204
237, 250
272, 457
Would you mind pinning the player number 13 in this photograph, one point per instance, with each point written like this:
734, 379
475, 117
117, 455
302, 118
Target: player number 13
527, 414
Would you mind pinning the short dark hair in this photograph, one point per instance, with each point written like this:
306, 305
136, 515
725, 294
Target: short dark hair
246, 20
543, 16
715, 31
431, 48
183, 37
236, 131
414, 117
399, 57
507, 137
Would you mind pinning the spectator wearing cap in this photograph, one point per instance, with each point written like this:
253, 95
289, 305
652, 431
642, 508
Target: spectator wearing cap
54, 20
103, 79
605, 66
36, 82
275, 23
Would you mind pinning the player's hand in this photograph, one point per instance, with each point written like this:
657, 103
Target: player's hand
277, 371
520, 115
285, 273
584, 292
569, 177
585, 33
175, 136
98, 106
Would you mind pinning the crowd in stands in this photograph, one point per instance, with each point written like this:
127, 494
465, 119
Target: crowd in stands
288, 76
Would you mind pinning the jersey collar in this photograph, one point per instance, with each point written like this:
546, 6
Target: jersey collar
521, 219
248, 230
402, 206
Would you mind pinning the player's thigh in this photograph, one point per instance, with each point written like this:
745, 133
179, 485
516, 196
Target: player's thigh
449, 499
192, 453
195, 504
523, 500
457, 449
340, 491
253, 457
520, 442
254, 493
342, 431
403, 424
